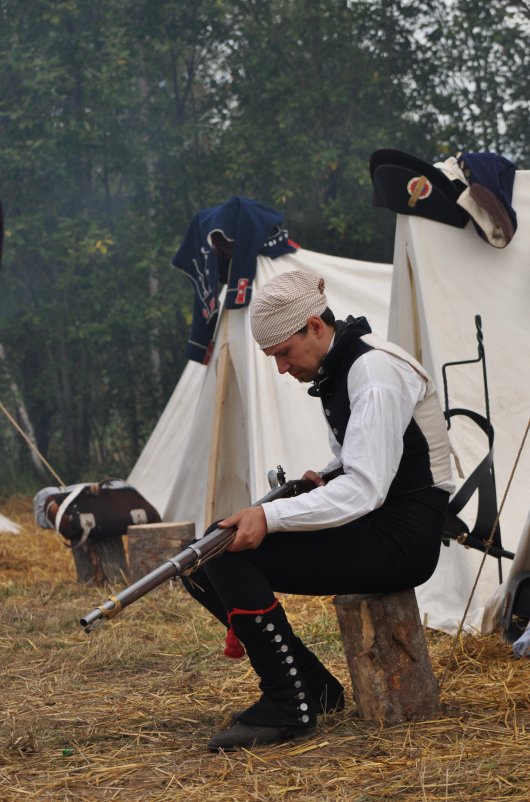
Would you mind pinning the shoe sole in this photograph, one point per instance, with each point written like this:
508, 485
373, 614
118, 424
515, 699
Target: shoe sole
300, 736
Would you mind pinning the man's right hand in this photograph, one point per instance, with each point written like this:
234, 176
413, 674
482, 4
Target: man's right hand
251, 526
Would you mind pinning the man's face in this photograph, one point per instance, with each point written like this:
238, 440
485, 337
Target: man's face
300, 355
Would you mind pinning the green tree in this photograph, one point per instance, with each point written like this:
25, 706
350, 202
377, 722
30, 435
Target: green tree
317, 86
474, 76
119, 121
85, 156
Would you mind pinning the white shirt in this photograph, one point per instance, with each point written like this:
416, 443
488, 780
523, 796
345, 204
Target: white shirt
384, 391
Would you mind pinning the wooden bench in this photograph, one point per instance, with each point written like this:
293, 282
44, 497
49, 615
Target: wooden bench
387, 655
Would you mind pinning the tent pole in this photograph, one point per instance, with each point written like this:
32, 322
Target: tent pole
220, 398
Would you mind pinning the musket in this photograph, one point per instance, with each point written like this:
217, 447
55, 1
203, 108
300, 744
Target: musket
194, 555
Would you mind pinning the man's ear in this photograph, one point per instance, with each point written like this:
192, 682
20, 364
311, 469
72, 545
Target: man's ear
316, 325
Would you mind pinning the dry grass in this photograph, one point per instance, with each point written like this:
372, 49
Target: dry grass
125, 713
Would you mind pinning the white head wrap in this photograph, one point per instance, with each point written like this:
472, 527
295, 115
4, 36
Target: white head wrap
281, 308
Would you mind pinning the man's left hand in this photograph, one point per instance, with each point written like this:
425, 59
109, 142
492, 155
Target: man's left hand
251, 526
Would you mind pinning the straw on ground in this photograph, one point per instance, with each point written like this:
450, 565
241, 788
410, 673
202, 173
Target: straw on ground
125, 713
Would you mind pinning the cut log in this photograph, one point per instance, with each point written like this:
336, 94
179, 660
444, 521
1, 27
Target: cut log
101, 560
152, 544
387, 655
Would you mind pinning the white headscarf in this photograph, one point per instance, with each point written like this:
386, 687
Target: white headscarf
281, 308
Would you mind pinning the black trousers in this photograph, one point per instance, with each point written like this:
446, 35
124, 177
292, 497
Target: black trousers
393, 548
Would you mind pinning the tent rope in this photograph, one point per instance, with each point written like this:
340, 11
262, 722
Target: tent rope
31, 445
488, 544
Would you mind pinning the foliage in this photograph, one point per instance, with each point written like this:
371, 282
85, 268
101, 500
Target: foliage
118, 121
480, 90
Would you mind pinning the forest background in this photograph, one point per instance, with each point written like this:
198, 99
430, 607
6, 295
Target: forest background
120, 120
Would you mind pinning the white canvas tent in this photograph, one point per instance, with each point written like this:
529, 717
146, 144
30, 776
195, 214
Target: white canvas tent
9, 526
227, 425
442, 278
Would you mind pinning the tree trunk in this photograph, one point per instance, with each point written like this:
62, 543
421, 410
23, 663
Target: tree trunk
22, 413
386, 651
101, 560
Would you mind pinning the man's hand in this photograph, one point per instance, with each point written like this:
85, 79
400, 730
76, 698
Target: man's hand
314, 477
251, 526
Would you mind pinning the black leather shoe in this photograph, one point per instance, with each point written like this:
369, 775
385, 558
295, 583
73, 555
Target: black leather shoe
324, 706
246, 736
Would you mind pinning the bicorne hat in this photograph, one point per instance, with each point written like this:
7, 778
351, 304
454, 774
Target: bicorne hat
408, 185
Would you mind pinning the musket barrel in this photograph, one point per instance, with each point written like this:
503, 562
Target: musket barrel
130, 594
189, 559
174, 567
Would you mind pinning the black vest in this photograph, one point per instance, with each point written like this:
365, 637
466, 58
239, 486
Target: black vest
331, 386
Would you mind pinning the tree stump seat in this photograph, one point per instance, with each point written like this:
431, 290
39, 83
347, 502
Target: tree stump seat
100, 560
387, 656
149, 545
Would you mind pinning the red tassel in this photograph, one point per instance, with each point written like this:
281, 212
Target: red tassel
234, 648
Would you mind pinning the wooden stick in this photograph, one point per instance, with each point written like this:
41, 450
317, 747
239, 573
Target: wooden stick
31, 445
223, 363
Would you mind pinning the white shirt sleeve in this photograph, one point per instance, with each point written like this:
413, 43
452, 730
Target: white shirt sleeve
336, 450
384, 391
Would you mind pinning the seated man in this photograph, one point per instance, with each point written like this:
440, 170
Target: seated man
374, 528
